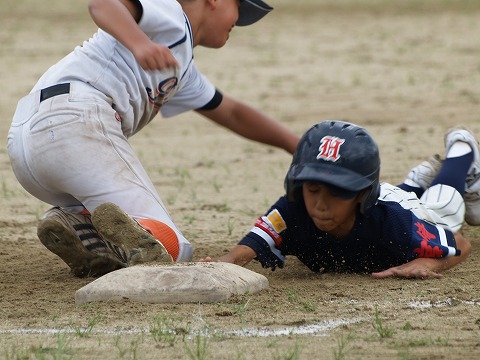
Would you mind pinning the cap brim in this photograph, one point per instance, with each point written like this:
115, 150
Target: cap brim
250, 11
336, 176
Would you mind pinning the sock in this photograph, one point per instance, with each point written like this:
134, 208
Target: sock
455, 167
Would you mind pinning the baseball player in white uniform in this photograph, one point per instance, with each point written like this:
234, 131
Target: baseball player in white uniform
68, 143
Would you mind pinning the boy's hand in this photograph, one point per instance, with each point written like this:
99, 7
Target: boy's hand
225, 258
155, 57
120, 19
420, 268
239, 255
207, 259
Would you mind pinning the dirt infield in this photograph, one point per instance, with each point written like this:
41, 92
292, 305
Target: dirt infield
407, 70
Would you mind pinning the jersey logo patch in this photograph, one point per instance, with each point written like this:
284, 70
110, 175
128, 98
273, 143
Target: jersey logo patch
163, 92
329, 148
276, 220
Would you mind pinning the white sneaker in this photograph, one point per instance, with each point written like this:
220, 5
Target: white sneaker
423, 174
75, 240
472, 183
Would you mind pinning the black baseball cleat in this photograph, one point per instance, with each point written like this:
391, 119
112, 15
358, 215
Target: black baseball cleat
75, 240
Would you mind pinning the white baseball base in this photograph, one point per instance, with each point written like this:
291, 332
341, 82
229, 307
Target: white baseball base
179, 283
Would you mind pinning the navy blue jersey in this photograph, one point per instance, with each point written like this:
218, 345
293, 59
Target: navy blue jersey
386, 235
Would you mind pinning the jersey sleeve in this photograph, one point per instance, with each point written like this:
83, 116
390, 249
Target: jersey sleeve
194, 94
265, 238
407, 236
431, 240
163, 21
408, 215
158, 16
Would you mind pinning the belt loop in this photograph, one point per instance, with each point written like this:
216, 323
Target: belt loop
51, 91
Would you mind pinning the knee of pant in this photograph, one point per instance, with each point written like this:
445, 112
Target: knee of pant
446, 202
164, 234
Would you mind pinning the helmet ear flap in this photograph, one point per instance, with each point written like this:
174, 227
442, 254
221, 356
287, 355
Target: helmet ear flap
293, 188
370, 197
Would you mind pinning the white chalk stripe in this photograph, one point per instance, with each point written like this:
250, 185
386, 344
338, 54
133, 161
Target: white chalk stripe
308, 329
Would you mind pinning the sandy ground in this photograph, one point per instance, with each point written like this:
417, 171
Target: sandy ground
406, 70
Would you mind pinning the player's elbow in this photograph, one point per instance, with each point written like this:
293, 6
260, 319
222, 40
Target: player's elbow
467, 249
463, 245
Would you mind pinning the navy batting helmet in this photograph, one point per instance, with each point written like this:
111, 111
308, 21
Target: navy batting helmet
339, 154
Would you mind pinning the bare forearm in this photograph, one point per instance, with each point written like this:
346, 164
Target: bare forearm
252, 124
258, 127
464, 246
119, 19
440, 265
239, 255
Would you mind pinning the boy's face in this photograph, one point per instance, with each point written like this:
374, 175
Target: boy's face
222, 20
329, 212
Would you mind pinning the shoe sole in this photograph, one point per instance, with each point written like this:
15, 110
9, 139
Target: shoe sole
472, 205
114, 225
60, 241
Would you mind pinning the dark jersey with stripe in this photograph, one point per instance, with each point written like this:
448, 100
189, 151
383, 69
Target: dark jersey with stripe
386, 235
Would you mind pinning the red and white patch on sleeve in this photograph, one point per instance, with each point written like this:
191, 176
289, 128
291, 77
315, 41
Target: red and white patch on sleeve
272, 225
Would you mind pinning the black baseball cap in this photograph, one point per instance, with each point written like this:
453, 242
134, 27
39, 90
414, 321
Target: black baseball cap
250, 11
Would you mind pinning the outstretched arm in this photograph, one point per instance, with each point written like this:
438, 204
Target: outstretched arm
251, 124
428, 267
119, 18
239, 255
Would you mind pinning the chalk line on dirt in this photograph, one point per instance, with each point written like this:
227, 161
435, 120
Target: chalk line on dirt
415, 304
320, 328
312, 329
441, 303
